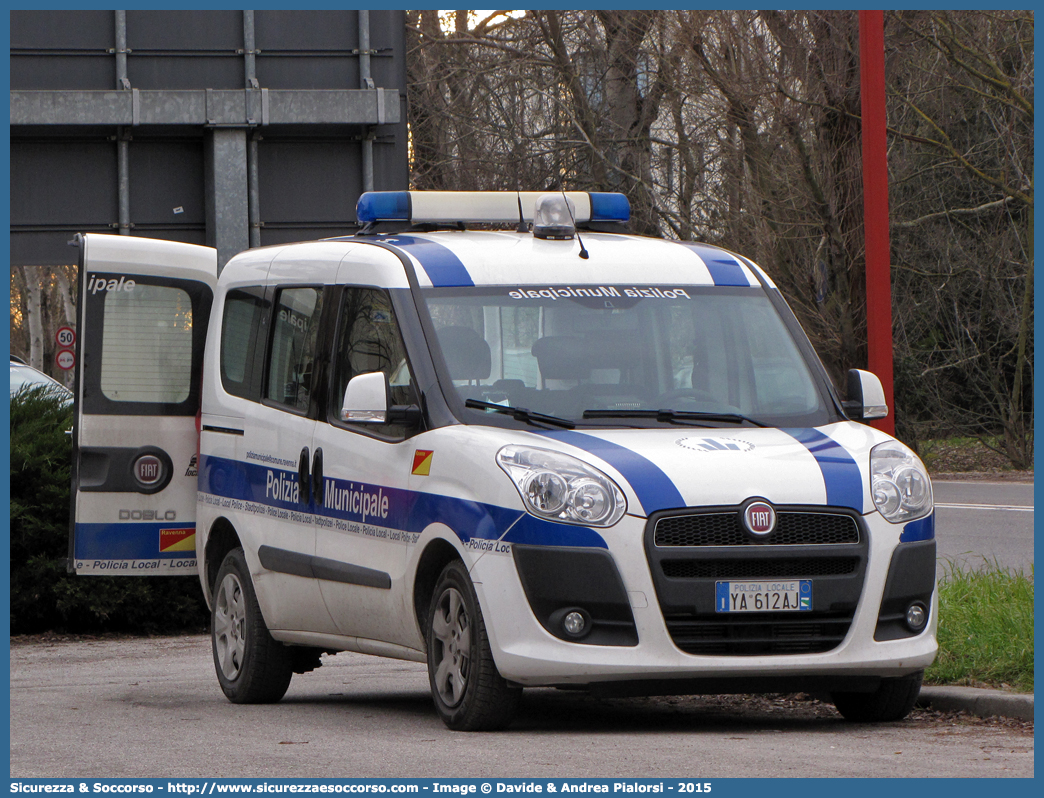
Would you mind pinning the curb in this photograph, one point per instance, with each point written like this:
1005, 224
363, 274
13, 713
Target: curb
977, 701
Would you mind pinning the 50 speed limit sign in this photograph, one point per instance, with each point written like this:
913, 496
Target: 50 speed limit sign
66, 336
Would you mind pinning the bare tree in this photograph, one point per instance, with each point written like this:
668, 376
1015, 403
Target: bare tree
42, 300
743, 128
961, 102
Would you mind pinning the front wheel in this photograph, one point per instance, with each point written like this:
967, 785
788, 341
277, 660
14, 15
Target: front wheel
252, 667
893, 700
469, 692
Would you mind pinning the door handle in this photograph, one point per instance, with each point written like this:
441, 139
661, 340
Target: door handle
317, 476
303, 483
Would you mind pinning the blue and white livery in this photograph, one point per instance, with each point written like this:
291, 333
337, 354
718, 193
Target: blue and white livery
553, 454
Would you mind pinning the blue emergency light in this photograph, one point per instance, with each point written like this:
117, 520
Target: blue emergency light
609, 207
451, 207
383, 206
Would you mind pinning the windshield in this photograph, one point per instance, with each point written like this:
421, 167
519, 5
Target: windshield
613, 351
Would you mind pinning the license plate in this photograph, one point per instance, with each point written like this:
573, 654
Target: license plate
793, 595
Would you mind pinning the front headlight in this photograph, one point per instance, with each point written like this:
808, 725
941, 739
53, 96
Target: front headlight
562, 488
899, 483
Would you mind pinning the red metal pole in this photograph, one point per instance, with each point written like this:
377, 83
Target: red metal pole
875, 207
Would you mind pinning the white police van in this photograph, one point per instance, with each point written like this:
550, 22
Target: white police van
554, 455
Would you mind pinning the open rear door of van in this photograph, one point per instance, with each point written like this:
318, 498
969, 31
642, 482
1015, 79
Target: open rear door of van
143, 311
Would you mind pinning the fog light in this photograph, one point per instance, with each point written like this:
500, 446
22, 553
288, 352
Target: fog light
916, 617
574, 623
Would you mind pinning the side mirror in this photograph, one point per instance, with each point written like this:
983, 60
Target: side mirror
366, 399
866, 399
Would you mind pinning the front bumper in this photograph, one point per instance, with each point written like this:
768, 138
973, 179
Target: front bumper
528, 654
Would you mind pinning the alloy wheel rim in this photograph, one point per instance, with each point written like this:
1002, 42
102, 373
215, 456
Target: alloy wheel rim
230, 626
452, 630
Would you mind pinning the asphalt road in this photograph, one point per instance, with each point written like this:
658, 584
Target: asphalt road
152, 708
980, 523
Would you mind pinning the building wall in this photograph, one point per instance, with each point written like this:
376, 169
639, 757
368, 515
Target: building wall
226, 128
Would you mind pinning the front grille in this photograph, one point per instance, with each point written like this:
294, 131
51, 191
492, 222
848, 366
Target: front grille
794, 568
724, 529
761, 635
690, 550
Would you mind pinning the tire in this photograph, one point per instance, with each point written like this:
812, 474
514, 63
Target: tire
468, 691
251, 666
893, 700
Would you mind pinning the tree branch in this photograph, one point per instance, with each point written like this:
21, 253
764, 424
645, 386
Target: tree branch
989, 206
947, 146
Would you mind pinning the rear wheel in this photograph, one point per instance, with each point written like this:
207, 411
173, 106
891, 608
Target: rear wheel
893, 700
252, 667
469, 692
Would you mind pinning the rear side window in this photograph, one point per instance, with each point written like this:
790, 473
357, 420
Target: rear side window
292, 356
146, 353
243, 318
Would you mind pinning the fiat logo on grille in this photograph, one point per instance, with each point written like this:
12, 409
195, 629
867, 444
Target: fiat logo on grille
148, 469
759, 518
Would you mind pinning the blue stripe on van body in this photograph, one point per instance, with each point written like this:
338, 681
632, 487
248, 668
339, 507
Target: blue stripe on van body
844, 482
921, 529
724, 269
654, 489
127, 541
441, 264
411, 511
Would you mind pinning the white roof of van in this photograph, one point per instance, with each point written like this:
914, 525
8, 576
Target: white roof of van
465, 258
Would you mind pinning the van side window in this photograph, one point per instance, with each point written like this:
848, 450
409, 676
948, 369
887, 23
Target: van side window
294, 336
244, 311
368, 340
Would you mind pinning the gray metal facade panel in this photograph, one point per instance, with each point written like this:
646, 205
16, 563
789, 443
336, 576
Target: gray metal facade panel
73, 30
385, 72
47, 248
63, 182
306, 30
329, 169
293, 235
188, 31
187, 235
388, 38
171, 72
68, 72
166, 178
391, 170
301, 72
72, 55
188, 81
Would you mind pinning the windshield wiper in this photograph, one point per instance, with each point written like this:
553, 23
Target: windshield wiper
674, 416
520, 413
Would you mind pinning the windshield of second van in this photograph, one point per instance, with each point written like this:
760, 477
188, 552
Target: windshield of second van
598, 354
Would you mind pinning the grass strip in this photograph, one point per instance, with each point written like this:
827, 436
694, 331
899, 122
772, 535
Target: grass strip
985, 629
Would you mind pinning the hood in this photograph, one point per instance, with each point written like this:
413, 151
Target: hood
694, 467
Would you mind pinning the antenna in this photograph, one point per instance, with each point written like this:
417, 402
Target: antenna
583, 250
522, 226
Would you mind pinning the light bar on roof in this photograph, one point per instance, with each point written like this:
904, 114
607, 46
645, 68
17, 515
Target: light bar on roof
609, 207
450, 207
375, 206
